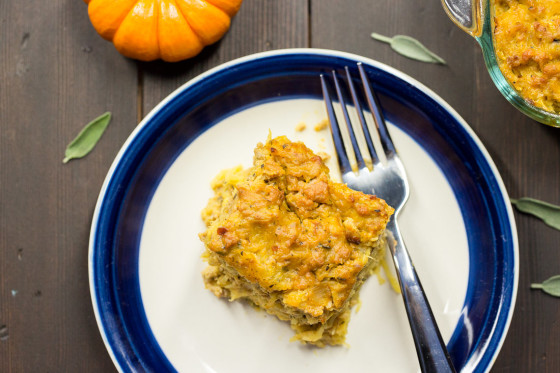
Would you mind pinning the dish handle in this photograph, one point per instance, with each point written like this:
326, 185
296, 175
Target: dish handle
467, 14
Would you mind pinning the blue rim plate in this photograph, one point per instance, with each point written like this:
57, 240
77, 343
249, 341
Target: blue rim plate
228, 89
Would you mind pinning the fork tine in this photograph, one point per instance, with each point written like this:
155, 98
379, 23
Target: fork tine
375, 108
365, 130
343, 161
356, 148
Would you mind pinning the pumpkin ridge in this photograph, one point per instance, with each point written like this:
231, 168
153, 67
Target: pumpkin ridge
201, 37
157, 6
123, 18
106, 24
230, 11
126, 39
187, 20
189, 48
188, 23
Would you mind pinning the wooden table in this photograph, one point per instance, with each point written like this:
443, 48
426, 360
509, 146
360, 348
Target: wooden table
56, 74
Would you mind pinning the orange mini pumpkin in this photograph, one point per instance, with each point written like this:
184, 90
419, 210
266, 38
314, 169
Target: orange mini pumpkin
172, 30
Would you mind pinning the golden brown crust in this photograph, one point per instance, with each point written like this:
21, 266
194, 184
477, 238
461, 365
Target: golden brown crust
291, 232
527, 44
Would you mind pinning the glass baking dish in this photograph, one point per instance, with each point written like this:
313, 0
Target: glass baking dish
475, 17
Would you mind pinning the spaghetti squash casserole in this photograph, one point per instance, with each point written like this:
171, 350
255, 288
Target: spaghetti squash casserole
289, 240
527, 43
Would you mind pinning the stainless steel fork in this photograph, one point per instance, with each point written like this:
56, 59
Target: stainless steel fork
388, 181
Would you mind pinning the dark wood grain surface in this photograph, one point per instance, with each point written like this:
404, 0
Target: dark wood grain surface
56, 74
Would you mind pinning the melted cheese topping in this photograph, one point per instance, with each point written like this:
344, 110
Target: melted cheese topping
527, 46
286, 227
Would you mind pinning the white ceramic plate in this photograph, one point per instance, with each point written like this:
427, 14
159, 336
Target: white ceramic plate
153, 310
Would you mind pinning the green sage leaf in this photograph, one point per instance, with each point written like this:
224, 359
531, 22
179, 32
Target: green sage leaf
549, 213
87, 138
550, 286
410, 47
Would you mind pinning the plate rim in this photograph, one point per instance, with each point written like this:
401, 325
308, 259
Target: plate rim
474, 361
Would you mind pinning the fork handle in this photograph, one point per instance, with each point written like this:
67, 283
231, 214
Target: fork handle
432, 352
